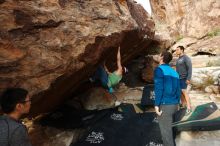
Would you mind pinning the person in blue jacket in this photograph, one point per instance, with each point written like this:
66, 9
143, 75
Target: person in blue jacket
167, 96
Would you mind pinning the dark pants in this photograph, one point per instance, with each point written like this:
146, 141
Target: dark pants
165, 123
183, 84
101, 77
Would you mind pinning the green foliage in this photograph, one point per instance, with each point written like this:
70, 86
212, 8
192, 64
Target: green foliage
213, 63
205, 81
179, 38
213, 33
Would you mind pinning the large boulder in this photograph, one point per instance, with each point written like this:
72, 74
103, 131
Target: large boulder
151, 63
50, 47
97, 99
206, 78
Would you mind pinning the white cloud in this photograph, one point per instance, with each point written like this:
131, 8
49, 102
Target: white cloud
145, 4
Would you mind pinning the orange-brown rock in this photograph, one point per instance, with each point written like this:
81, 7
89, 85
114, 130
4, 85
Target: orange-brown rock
97, 98
51, 46
187, 18
148, 71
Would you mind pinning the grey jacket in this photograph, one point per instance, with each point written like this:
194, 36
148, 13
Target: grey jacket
13, 133
184, 67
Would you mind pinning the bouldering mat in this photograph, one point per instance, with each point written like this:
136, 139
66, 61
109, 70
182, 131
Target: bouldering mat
204, 117
127, 108
148, 96
66, 117
123, 129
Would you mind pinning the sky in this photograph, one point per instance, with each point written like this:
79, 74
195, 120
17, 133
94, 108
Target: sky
145, 4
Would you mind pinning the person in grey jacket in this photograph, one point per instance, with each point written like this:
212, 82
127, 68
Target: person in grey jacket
15, 102
184, 69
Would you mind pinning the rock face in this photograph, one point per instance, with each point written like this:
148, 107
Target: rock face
187, 18
206, 77
193, 46
148, 71
97, 98
140, 71
50, 47
206, 45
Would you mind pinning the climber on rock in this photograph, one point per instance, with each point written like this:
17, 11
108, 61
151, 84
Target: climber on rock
109, 79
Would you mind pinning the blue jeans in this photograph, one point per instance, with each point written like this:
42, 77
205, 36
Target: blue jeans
101, 76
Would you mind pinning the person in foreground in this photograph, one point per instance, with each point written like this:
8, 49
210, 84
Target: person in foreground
184, 69
15, 102
167, 96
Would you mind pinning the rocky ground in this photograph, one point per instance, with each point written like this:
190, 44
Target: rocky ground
200, 138
47, 136
202, 65
192, 138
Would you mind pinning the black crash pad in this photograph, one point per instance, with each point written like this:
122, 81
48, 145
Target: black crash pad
112, 127
66, 117
148, 96
123, 129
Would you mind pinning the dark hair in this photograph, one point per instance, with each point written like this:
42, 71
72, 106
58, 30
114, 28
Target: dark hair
11, 97
181, 48
167, 57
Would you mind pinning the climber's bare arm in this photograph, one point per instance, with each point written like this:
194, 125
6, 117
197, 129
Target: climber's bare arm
119, 69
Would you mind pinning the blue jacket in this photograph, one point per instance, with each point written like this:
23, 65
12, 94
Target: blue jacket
166, 85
